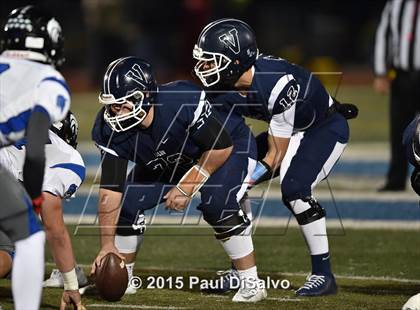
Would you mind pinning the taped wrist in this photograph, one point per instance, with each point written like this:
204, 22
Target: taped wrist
193, 181
70, 280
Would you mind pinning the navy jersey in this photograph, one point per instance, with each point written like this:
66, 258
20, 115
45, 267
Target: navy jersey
287, 96
411, 142
166, 147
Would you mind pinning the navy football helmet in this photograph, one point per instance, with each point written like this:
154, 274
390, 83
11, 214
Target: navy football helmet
225, 49
128, 80
34, 34
416, 140
67, 129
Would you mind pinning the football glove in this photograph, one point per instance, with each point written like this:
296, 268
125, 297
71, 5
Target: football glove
37, 203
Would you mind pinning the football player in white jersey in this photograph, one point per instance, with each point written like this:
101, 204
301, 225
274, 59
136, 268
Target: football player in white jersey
64, 173
33, 95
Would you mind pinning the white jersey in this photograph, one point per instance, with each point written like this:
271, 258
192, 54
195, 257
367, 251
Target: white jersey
64, 167
27, 86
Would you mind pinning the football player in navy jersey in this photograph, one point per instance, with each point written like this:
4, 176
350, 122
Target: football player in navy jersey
411, 142
306, 135
179, 148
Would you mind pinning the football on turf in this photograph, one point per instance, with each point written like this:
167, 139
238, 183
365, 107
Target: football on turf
111, 277
413, 303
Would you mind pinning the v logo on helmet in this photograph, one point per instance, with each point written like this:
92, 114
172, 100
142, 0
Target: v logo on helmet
231, 40
136, 74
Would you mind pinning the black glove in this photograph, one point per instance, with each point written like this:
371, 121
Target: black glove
348, 110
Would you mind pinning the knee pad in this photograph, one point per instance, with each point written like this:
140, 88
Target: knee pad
239, 246
137, 227
128, 244
231, 225
311, 214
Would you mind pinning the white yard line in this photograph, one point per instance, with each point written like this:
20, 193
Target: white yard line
361, 278
89, 222
284, 299
268, 298
104, 306
291, 274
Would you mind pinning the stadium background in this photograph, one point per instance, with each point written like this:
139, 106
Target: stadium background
374, 235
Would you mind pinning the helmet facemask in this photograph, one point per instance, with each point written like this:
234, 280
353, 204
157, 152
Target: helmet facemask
125, 121
217, 63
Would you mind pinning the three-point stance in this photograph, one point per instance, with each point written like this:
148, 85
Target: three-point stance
180, 148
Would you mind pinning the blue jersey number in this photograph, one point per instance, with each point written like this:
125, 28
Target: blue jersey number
4, 67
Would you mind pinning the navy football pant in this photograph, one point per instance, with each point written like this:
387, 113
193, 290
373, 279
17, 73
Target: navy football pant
219, 196
310, 156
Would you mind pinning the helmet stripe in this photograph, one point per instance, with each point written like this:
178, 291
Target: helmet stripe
109, 72
107, 75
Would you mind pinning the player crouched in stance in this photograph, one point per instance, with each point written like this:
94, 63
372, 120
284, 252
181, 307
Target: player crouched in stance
306, 135
179, 147
64, 173
411, 141
32, 97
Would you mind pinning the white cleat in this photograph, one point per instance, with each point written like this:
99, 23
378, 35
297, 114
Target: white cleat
88, 288
55, 279
254, 294
413, 303
131, 290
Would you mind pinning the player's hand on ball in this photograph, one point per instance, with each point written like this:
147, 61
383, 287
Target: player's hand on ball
175, 200
71, 300
110, 248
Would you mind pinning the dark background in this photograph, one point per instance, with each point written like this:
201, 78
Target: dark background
323, 35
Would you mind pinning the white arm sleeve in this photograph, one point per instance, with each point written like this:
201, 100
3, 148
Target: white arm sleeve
281, 125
